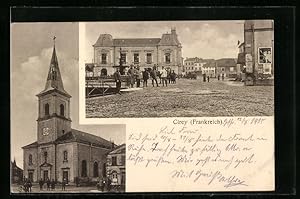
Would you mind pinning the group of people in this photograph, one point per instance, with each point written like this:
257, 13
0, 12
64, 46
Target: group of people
136, 75
104, 184
50, 184
27, 185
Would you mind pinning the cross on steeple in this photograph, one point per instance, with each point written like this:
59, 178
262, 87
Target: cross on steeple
54, 40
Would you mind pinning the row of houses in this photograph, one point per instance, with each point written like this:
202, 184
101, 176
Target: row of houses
211, 67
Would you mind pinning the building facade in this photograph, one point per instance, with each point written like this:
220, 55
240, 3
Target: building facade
61, 152
142, 52
227, 67
116, 165
259, 46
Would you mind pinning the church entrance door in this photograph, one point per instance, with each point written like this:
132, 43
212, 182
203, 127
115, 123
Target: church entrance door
30, 176
45, 175
66, 176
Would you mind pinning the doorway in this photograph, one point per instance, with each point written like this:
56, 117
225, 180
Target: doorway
45, 175
30, 176
66, 176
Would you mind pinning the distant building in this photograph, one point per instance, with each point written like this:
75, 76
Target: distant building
116, 165
142, 52
226, 66
16, 172
209, 68
60, 151
196, 64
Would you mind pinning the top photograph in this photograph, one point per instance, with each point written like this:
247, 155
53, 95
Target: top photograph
150, 69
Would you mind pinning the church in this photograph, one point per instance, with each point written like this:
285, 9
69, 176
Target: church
61, 152
143, 52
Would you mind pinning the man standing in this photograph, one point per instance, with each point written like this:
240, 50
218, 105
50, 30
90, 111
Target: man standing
153, 76
164, 75
48, 184
41, 183
117, 77
145, 77
131, 76
63, 184
139, 76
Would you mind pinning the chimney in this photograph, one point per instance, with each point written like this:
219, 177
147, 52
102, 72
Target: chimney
173, 31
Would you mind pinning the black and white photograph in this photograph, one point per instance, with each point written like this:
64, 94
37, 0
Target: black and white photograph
150, 69
50, 151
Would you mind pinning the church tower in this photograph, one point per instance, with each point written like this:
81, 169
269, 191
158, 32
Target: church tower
54, 106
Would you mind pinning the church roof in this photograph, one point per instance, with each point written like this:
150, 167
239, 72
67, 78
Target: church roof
54, 80
119, 149
136, 42
83, 137
32, 145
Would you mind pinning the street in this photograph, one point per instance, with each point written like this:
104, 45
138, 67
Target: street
69, 189
186, 98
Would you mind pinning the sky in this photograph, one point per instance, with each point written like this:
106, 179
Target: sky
205, 39
31, 49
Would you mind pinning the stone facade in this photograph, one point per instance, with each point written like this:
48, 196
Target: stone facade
116, 165
142, 52
60, 151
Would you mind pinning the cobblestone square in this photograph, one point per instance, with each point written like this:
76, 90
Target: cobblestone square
186, 98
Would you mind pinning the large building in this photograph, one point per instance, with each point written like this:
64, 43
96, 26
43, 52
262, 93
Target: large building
142, 52
60, 151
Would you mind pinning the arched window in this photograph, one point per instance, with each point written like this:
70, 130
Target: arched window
96, 171
83, 168
104, 170
45, 156
65, 156
47, 109
62, 110
30, 159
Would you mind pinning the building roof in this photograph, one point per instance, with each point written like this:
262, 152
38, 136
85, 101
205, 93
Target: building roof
136, 42
54, 81
210, 64
118, 150
226, 62
83, 137
169, 40
32, 145
194, 59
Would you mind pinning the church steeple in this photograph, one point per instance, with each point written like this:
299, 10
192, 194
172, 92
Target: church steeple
54, 79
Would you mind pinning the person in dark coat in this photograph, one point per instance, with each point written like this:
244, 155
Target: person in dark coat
218, 77
48, 184
145, 77
204, 77
153, 76
29, 185
63, 184
41, 183
26, 188
53, 184
117, 77
222, 76
207, 78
